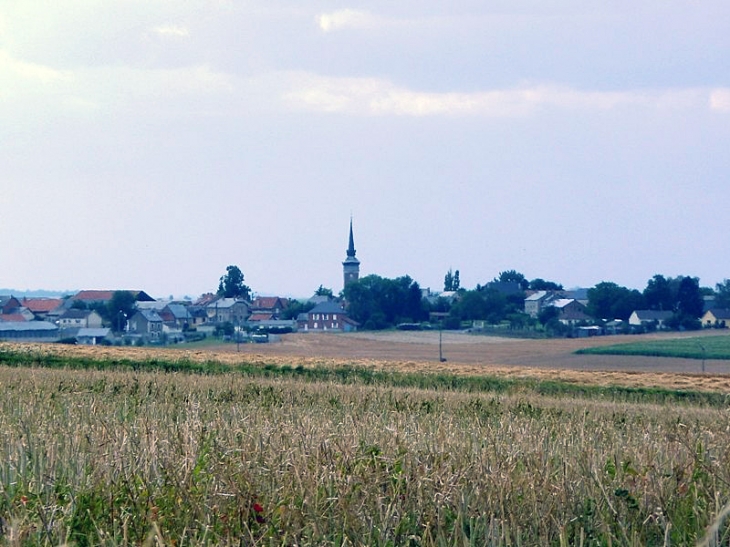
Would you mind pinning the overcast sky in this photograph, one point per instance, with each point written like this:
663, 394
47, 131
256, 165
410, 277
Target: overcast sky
148, 144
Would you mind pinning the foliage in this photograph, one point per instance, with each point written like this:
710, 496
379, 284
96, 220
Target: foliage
689, 298
378, 303
722, 294
516, 277
323, 291
120, 308
542, 285
231, 284
296, 307
452, 281
607, 300
658, 294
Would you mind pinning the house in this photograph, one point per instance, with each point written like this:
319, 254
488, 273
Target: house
228, 310
41, 307
146, 322
19, 315
536, 301
75, 318
9, 305
571, 311
643, 318
329, 316
716, 317
271, 305
29, 330
175, 316
91, 336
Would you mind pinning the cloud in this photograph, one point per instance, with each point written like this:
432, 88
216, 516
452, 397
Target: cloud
372, 96
346, 18
14, 69
720, 100
175, 31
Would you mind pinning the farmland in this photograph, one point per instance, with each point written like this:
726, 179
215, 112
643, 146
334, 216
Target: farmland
268, 446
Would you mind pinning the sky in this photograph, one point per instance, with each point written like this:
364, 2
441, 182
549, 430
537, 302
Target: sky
148, 144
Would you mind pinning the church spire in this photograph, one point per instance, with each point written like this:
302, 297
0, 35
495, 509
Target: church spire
351, 265
351, 246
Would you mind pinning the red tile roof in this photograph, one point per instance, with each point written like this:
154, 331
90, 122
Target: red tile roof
270, 302
13, 317
260, 317
41, 305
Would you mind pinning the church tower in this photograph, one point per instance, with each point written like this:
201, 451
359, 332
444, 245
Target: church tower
351, 265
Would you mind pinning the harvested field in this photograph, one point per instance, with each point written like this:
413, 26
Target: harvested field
466, 354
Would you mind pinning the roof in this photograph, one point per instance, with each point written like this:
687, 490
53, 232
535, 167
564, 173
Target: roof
13, 318
27, 326
653, 315
41, 305
224, 303
720, 313
260, 316
269, 302
179, 311
538, 295
75, 313
327, 307
150, 315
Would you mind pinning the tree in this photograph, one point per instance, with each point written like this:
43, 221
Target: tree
231, 284
377, 302
608, 300
323, 291
542, 285
515, 277
658, 294
722, 294
689, 298
120, 308
452, 281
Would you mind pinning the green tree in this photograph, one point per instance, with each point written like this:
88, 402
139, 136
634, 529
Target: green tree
722, 294
231, 284
542, 285
296, 307
689, 298
377, 302
515, 277
658, 294
120, 308
323, 291
452, 281
607, 300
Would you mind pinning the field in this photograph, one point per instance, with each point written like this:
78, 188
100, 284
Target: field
706, 347
360, 440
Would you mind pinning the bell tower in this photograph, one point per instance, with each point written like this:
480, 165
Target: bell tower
351, 265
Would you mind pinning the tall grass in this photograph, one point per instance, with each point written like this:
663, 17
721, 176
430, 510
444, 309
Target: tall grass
123, 457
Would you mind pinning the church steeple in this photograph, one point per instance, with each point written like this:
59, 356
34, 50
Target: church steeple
351, 246
351, 265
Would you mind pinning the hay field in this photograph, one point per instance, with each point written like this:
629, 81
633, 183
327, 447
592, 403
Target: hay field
552, 359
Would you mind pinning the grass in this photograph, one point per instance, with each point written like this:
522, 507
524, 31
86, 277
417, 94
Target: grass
705, 347
102, 453
361, 375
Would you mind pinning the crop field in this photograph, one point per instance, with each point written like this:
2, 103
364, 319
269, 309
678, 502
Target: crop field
130, 446
706, 347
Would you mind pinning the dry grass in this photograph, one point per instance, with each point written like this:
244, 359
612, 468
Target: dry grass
667, 380
113, 458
